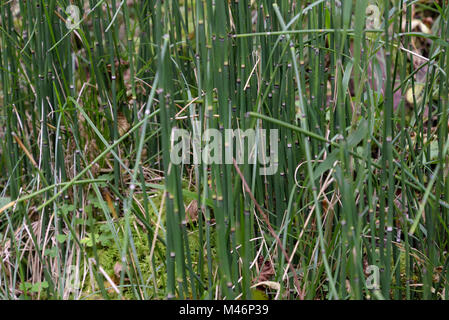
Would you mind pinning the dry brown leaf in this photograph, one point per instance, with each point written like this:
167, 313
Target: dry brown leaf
122, 124
266, 270
192, 211
118, 269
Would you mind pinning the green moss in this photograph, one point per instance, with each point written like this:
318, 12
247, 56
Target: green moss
109, 256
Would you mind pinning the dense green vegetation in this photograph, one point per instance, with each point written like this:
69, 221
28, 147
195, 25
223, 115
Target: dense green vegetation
92, 207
